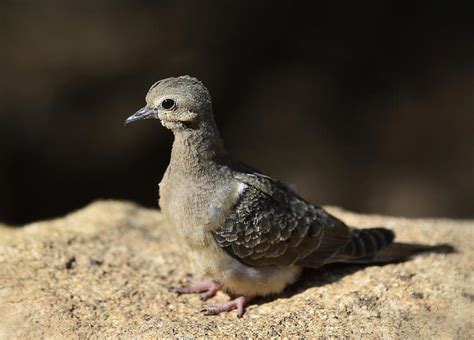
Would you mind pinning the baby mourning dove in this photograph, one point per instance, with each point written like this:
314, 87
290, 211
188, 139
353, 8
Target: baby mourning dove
249, 233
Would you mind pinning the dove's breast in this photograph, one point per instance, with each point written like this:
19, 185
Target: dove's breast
194, 208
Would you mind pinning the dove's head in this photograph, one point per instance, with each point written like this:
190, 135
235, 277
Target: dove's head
179, 103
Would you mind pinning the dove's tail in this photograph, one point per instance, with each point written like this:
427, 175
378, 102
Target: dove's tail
376, 246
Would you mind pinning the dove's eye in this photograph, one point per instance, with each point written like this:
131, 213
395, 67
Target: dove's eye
168, 104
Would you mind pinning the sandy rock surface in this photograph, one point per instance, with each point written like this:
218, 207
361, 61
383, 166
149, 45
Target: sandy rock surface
105, 271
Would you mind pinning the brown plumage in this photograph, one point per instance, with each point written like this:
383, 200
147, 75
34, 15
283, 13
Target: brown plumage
250, 234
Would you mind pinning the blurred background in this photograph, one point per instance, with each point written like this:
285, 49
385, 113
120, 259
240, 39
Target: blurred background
365, 105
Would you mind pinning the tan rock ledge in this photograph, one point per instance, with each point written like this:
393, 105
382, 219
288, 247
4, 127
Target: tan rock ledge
105, 271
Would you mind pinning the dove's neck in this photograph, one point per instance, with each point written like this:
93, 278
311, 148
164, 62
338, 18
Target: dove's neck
195, 150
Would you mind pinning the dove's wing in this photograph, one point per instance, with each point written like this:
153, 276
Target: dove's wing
271, 225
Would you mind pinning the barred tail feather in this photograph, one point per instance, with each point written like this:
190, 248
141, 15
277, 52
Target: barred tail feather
365, 243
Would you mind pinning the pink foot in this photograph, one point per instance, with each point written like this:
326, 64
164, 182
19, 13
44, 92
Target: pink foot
216, 308
207, 288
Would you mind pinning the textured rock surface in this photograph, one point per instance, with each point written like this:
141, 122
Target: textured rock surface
106, 270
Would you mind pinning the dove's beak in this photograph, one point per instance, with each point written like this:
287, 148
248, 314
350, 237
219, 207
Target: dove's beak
145, 112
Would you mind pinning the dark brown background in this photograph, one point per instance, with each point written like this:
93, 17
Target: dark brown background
367, 105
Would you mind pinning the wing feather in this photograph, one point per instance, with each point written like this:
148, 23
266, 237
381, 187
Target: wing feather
272, 225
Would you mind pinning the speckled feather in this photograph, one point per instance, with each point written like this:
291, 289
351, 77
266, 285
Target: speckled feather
272, 225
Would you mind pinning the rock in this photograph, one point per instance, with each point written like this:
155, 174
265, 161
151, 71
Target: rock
105, 271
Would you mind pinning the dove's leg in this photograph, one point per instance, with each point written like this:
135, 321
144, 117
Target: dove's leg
206, 288
238, 303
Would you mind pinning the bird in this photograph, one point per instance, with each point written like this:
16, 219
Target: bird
249, 234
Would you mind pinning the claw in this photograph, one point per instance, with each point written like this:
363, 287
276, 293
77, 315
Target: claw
177, 290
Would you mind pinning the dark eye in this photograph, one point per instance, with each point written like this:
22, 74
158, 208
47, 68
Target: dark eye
167, 104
